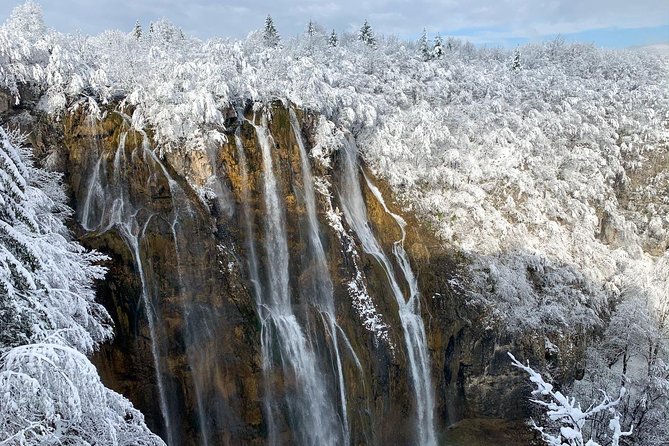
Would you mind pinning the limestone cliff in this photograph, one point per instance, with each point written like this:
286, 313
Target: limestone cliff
182, 231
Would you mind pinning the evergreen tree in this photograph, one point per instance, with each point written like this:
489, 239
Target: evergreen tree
311, 29
333, 40
366, 34
137, 31
438, 48
516, 64
271, 35
423, 46
450, 44
45, 278
18, 261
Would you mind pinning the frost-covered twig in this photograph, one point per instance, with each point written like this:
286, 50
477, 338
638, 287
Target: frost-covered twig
567, 413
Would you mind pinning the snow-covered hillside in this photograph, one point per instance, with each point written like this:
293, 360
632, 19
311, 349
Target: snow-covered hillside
547, 158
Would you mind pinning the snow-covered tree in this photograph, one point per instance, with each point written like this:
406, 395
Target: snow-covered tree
51, 394
366, 34
311, 29
27, 18
438, 47
137, 30
24, 49
567, 419
516, 63
451, 43
314, 39
423, 46
270, 34
165, 32
333, 40
45, 278
633, 351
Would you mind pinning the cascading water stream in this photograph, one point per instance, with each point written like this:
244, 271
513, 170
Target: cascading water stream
354, 209
248, 221
254, 276
132, 239
109, 198
324, 290
93, 189
415, 324
311, 412
179, 201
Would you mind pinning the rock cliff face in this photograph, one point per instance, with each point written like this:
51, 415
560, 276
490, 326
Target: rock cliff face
205, 345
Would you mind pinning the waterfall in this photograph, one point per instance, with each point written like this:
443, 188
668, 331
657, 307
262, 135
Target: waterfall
94, 192
132, 239
310, 396
179, 198
322, 286
354, 209
254, 277
107, 205
248, 221
418, 347
311, 413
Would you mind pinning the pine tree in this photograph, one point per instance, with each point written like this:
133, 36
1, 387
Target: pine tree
333, 40
311, 29
366, 34
423, 46
45, 279
271, 36
137, 31
18, 260
438, 48
516, 64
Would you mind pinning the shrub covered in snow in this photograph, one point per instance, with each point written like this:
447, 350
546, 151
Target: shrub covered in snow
569, 420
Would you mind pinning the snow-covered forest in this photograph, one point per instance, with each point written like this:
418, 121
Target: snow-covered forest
546, 167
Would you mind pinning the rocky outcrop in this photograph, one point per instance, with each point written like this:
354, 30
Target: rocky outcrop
205, 324
187, 350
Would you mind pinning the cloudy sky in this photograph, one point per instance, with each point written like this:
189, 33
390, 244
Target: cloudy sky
612, 23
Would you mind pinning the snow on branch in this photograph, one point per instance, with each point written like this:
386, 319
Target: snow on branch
51, 394
569, 419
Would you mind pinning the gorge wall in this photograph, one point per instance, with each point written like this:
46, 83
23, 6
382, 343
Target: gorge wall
262, 295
